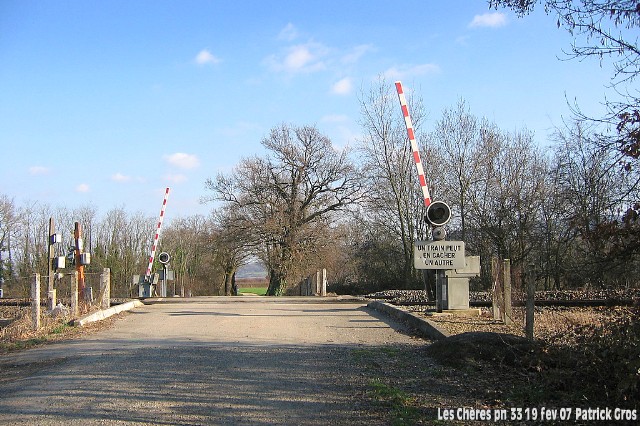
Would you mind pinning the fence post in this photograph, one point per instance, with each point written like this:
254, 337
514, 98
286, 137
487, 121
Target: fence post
323, 284
307, 288
529, 317
497, 297
105, 288
35, 301
506, 274
74, 294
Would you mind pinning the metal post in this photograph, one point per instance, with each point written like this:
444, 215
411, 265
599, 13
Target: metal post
51, 295
79, 246
163, 290
35, 301
442, 301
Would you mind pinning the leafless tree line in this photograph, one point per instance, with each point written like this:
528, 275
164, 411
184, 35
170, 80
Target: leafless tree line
559, 211
118, 240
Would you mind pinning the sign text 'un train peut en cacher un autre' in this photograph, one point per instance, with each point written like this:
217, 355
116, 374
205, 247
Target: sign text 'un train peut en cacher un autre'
439, 255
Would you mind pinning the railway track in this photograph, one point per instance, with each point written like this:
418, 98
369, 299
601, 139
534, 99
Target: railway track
560, 298
399, 298
21, 302
559, 303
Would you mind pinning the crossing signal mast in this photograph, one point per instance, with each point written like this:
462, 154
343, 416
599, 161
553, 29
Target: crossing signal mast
438, 212
446, 258
147, 283
154, 246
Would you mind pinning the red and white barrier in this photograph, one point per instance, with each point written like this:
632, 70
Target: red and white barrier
154, 246
414, 144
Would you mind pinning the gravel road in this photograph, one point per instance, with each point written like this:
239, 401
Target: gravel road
253, 361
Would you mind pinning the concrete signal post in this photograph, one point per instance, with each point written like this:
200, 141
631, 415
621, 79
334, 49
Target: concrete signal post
438, 254
447, 259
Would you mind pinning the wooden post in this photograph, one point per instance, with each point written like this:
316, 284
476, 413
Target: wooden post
497, 288
506, 274
105, 288
74, 294
35, 301
529, 317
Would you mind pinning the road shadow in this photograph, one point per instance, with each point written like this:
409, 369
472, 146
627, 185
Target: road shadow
189, 384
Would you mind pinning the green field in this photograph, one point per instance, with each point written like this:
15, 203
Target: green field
260, 291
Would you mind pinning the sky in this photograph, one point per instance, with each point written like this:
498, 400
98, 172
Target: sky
107, 103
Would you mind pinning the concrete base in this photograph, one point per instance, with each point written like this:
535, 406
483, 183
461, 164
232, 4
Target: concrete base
458, 293
425, 327
473, 312
106, 313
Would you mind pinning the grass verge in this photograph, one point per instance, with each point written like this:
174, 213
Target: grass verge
260, 291
402, 410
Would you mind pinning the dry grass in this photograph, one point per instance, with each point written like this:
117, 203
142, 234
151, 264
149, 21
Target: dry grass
550, 323
16, 330
601, 343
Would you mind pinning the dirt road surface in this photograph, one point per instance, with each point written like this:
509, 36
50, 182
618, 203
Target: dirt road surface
244, 361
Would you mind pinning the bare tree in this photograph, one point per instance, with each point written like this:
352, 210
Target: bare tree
504, 202
597, 193
277, 198
9, 222
606, 31
459, 135
232, 245
605, 25
393, 206
191, 242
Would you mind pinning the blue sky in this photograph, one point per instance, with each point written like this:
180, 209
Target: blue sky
106, 103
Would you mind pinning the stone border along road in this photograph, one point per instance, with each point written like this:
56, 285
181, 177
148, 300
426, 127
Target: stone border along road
253, 361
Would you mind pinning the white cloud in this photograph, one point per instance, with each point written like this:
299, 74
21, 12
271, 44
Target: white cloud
205, 57
404, 71
288, 33
83, 187
182, 160
356, 53
491, 20
342, 87
39, 170
119, 177
178, 178
299, 58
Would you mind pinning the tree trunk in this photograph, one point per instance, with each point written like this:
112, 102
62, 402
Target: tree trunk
277, 283
229, 277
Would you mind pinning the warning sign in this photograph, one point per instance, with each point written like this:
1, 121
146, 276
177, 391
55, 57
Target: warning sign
439, 255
